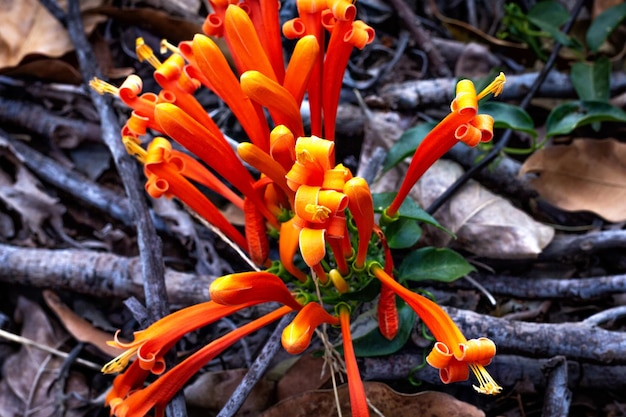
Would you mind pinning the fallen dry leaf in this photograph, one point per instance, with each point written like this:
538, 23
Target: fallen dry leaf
484, 223
390, 403
211, 390
24, 195
79, 328
28, 28
292, 382
29, 384
586, 175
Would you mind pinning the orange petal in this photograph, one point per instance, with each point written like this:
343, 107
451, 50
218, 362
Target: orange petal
211, 149
358, 400
436, 319
165, 172
195, 171
251, 287
264, 15
297, 335
151, 342
256, 233
260, 160
282, 146
436, 143
244, 43
484, 123
287, 247
213, 65
300, 67
312, 245
361, 205
160, 392
281, 104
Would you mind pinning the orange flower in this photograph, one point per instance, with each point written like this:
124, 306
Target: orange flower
358, 400
297, 335
345, 35
252, 287
462, 124
361, 206
151, 344
208, 64
453, 354
215, 151
166, 175
160, 392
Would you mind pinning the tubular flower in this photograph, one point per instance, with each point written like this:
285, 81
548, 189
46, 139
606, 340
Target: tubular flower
151, 344
160, 392
301, 196
462, 124
358, 401
165, 172
319, 202
453, 354
252, 287
297, 335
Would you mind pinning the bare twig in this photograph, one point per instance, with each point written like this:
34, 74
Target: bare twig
38, 119
605, 316
507, 370
256, 371
93, 273
28, 342
436, 64
553, 288
557, 397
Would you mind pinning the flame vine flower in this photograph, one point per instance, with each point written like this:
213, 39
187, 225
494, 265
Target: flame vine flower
330, 247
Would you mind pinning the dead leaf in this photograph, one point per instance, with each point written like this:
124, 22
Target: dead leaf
78, 327
24, 195
211, 390
28, 28
29, 383
390, 403
292, 382
484, 223
586, 175
158, 22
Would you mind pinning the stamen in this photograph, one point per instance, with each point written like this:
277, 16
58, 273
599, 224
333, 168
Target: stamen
167, 46
496, 87
145, 53
304, 156
319, 212
102, 87
134, 148
488, 385
119, 363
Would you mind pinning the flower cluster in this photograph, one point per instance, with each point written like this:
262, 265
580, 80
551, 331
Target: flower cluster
311, 203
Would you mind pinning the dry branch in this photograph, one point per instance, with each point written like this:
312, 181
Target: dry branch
93, 273
508, 370
411, 95
553, 288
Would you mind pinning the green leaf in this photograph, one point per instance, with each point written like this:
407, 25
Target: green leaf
507, 116
567, 117
403, 233
604, 25
549, 16
406, 145
375, 344
592, 79
435, 264
409, 209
